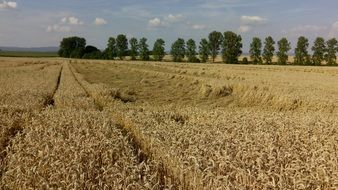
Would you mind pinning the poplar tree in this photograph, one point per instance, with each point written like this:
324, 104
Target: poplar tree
301, 52
332, 48
284, 47
215, 41
178, 50
191, 50
231, 47
269, 50
204, 51
111, 48
133, 48
256, 50
121, 46
143, 48
158, 49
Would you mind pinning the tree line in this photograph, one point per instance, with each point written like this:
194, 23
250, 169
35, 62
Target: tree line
228, 44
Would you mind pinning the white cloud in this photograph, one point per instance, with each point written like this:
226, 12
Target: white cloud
64, 19
174, 18
100, 21
155, 22
58, 28
66, 25
249, 22
166, 21
253, 20
72, 21
308, 28
334, 30
302, 30
8, 5
335, 25
244, 29
198, 27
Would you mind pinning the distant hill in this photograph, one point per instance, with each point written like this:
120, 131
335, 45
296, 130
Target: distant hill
30, 49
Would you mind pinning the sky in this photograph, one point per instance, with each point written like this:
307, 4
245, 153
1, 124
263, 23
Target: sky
39, 23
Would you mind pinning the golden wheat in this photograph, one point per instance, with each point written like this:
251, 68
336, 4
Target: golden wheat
234, 147
73, 145
148, 125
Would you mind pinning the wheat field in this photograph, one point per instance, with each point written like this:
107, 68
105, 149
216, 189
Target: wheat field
80, 124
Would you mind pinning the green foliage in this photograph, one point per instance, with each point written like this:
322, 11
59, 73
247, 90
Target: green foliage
215, 41
269, 50
332, 48
231, 47
178, 50
133, 48
283, 47
318, 49
121, 46
144, 51
90, 49
301, 53
245, 60
191, 50
93, 55
91, 52
111, 50
27, 54
231, 43
77, 53
104, 55
256, 50
158, 49
72, 47
204, 51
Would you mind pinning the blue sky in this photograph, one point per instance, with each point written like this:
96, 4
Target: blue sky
34, 23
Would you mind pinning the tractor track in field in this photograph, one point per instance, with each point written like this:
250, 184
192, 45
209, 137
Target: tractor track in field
138, 150
143, 149
17, 126
99, 106
50, 101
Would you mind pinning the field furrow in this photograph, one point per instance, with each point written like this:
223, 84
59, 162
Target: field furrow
74, 145
70, 94
23, 90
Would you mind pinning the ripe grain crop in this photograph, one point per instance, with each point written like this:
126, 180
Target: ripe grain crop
72, 144
23, 89
75, 149
149, 125
249, 143
29, 87
70, 94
